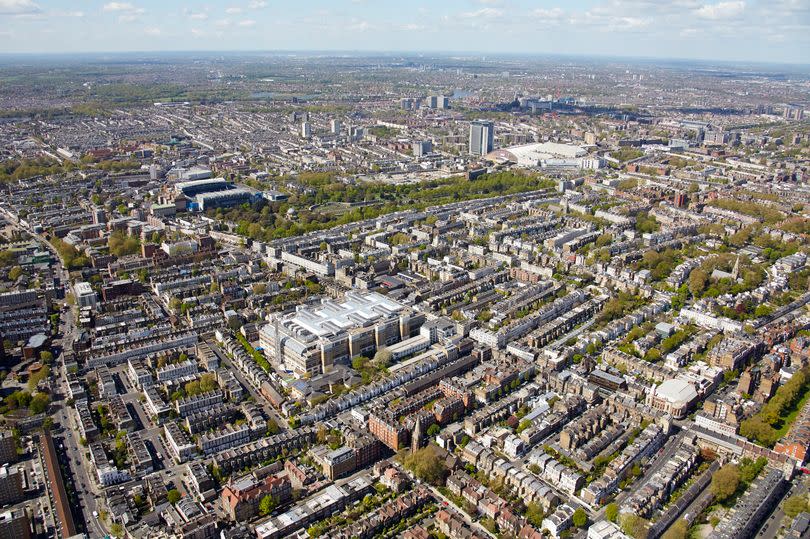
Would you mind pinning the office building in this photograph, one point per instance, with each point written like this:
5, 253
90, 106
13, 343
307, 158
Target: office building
85, 295
14, 524
8, 448
314, 338
335, 127
306, 130
793, 112
11, 488
422, 148
482, 136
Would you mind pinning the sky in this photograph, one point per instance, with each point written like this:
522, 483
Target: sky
776, 31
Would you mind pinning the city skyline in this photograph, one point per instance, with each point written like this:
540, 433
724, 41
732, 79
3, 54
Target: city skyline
470, 270
686, 29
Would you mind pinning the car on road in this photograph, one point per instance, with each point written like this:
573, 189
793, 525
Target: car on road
95, 515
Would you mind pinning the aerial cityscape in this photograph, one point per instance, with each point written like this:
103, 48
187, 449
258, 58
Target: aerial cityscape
254, 287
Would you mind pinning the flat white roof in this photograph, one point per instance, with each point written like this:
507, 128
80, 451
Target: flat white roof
83, 288
356, 310
676, 390
532, 153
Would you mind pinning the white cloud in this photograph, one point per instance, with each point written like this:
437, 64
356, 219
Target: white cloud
198, 16
18, 7
247, 23
153, 31
632, 23
602, 21
553, 13
233, 10
359, 26
722, 10
118, 6
127, 11
484, 12
413, 27
257, 4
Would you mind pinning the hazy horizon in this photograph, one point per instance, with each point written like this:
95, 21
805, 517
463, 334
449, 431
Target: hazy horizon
758, 31
404, 54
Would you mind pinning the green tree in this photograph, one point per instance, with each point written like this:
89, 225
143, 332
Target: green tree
7, 258
580, 517
603, 240
433, 430
192, 388
120, 244
534, 514
272, 427
173, 496
697, 282
756, 428
612, 512
795, 504
749, 469
266, 505
634, 526
383, 357
359, 363
208, 382
39, 403
427, 464
14, 273
725, 482
18, 399
646, 223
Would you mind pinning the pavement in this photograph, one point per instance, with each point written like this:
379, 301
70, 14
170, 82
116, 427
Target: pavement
67, 439
73, 453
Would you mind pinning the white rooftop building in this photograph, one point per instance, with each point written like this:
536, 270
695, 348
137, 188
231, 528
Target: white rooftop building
531, 155
85, 295
312, 338
673, 396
